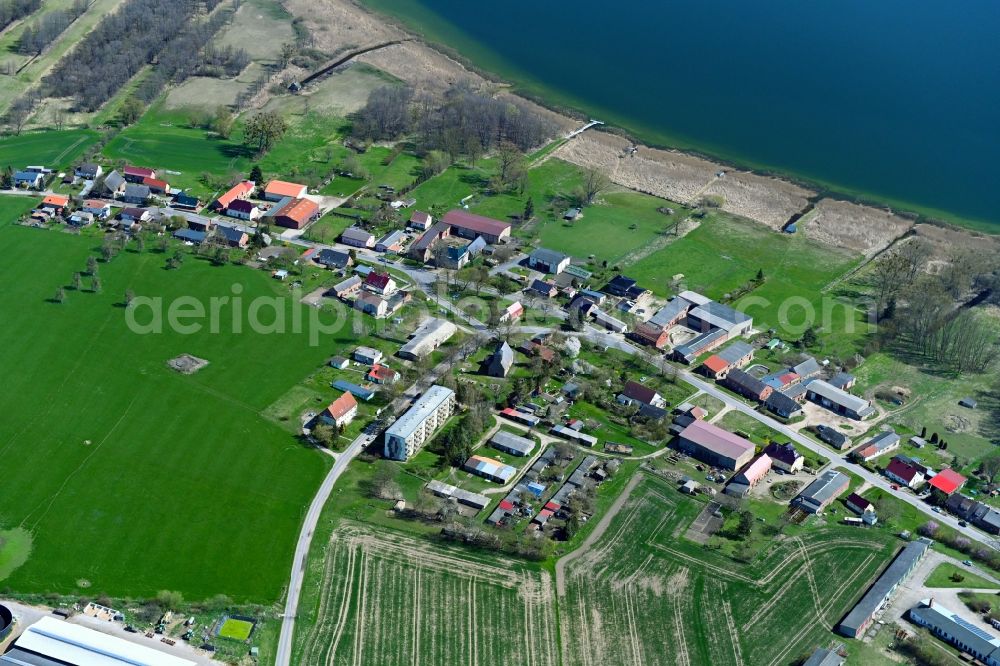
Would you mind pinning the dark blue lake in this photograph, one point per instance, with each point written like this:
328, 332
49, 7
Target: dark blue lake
898, 100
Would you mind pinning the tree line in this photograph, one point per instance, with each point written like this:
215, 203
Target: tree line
12, 10
116, 49
184, 55
465, 122
45, 30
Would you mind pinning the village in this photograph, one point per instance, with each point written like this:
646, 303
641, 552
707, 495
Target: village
553, 432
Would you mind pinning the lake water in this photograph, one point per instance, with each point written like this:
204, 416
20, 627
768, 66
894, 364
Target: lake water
898, 100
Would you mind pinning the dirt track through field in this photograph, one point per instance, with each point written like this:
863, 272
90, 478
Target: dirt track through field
593, 537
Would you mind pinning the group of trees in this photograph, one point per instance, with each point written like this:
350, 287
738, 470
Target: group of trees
222, 61
44, 31
186, 53
456, 443
12, 10
116, 49
466, 122
925, 314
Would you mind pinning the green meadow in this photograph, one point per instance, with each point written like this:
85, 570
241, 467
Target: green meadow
128, 476
725, 253
53, 149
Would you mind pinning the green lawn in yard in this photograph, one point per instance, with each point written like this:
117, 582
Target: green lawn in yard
125, 472
942, 577
708, 402
607, 430
756, 431
53, 149
237, 630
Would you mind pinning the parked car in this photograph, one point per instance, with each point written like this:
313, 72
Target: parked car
963, 523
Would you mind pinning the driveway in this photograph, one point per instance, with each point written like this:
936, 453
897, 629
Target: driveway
913, 590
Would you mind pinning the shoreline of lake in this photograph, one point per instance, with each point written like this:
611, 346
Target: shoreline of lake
529, 87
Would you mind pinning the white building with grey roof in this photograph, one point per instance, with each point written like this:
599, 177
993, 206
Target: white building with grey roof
414, 428
429, 336
822, 491
839, 401
513, 444
548, 261
957, 631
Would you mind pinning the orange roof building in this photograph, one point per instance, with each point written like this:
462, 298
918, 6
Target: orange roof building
277, 190
55, 201
295, 214
716, 366
341, 411
241, 190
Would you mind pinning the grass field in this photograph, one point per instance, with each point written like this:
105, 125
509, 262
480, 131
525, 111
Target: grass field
723, 254
15, 547
623, 222
125, 473
12, 207
941, 577
237, 630
390, 599
645, 596
164, 139
54, 149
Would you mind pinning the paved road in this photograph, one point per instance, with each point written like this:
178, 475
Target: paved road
284, 653
837, 460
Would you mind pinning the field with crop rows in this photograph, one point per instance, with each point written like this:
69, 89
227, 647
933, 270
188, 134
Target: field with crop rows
645, 596
389, 599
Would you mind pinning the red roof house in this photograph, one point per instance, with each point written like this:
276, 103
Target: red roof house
135, 174
382, 374
754, 471
341, 411
380, 283
553, 506
512, 312
277, 190
296, 214
903, 472
155, 184
241, 190
716, 366
947, 482
55, 202
506, 505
